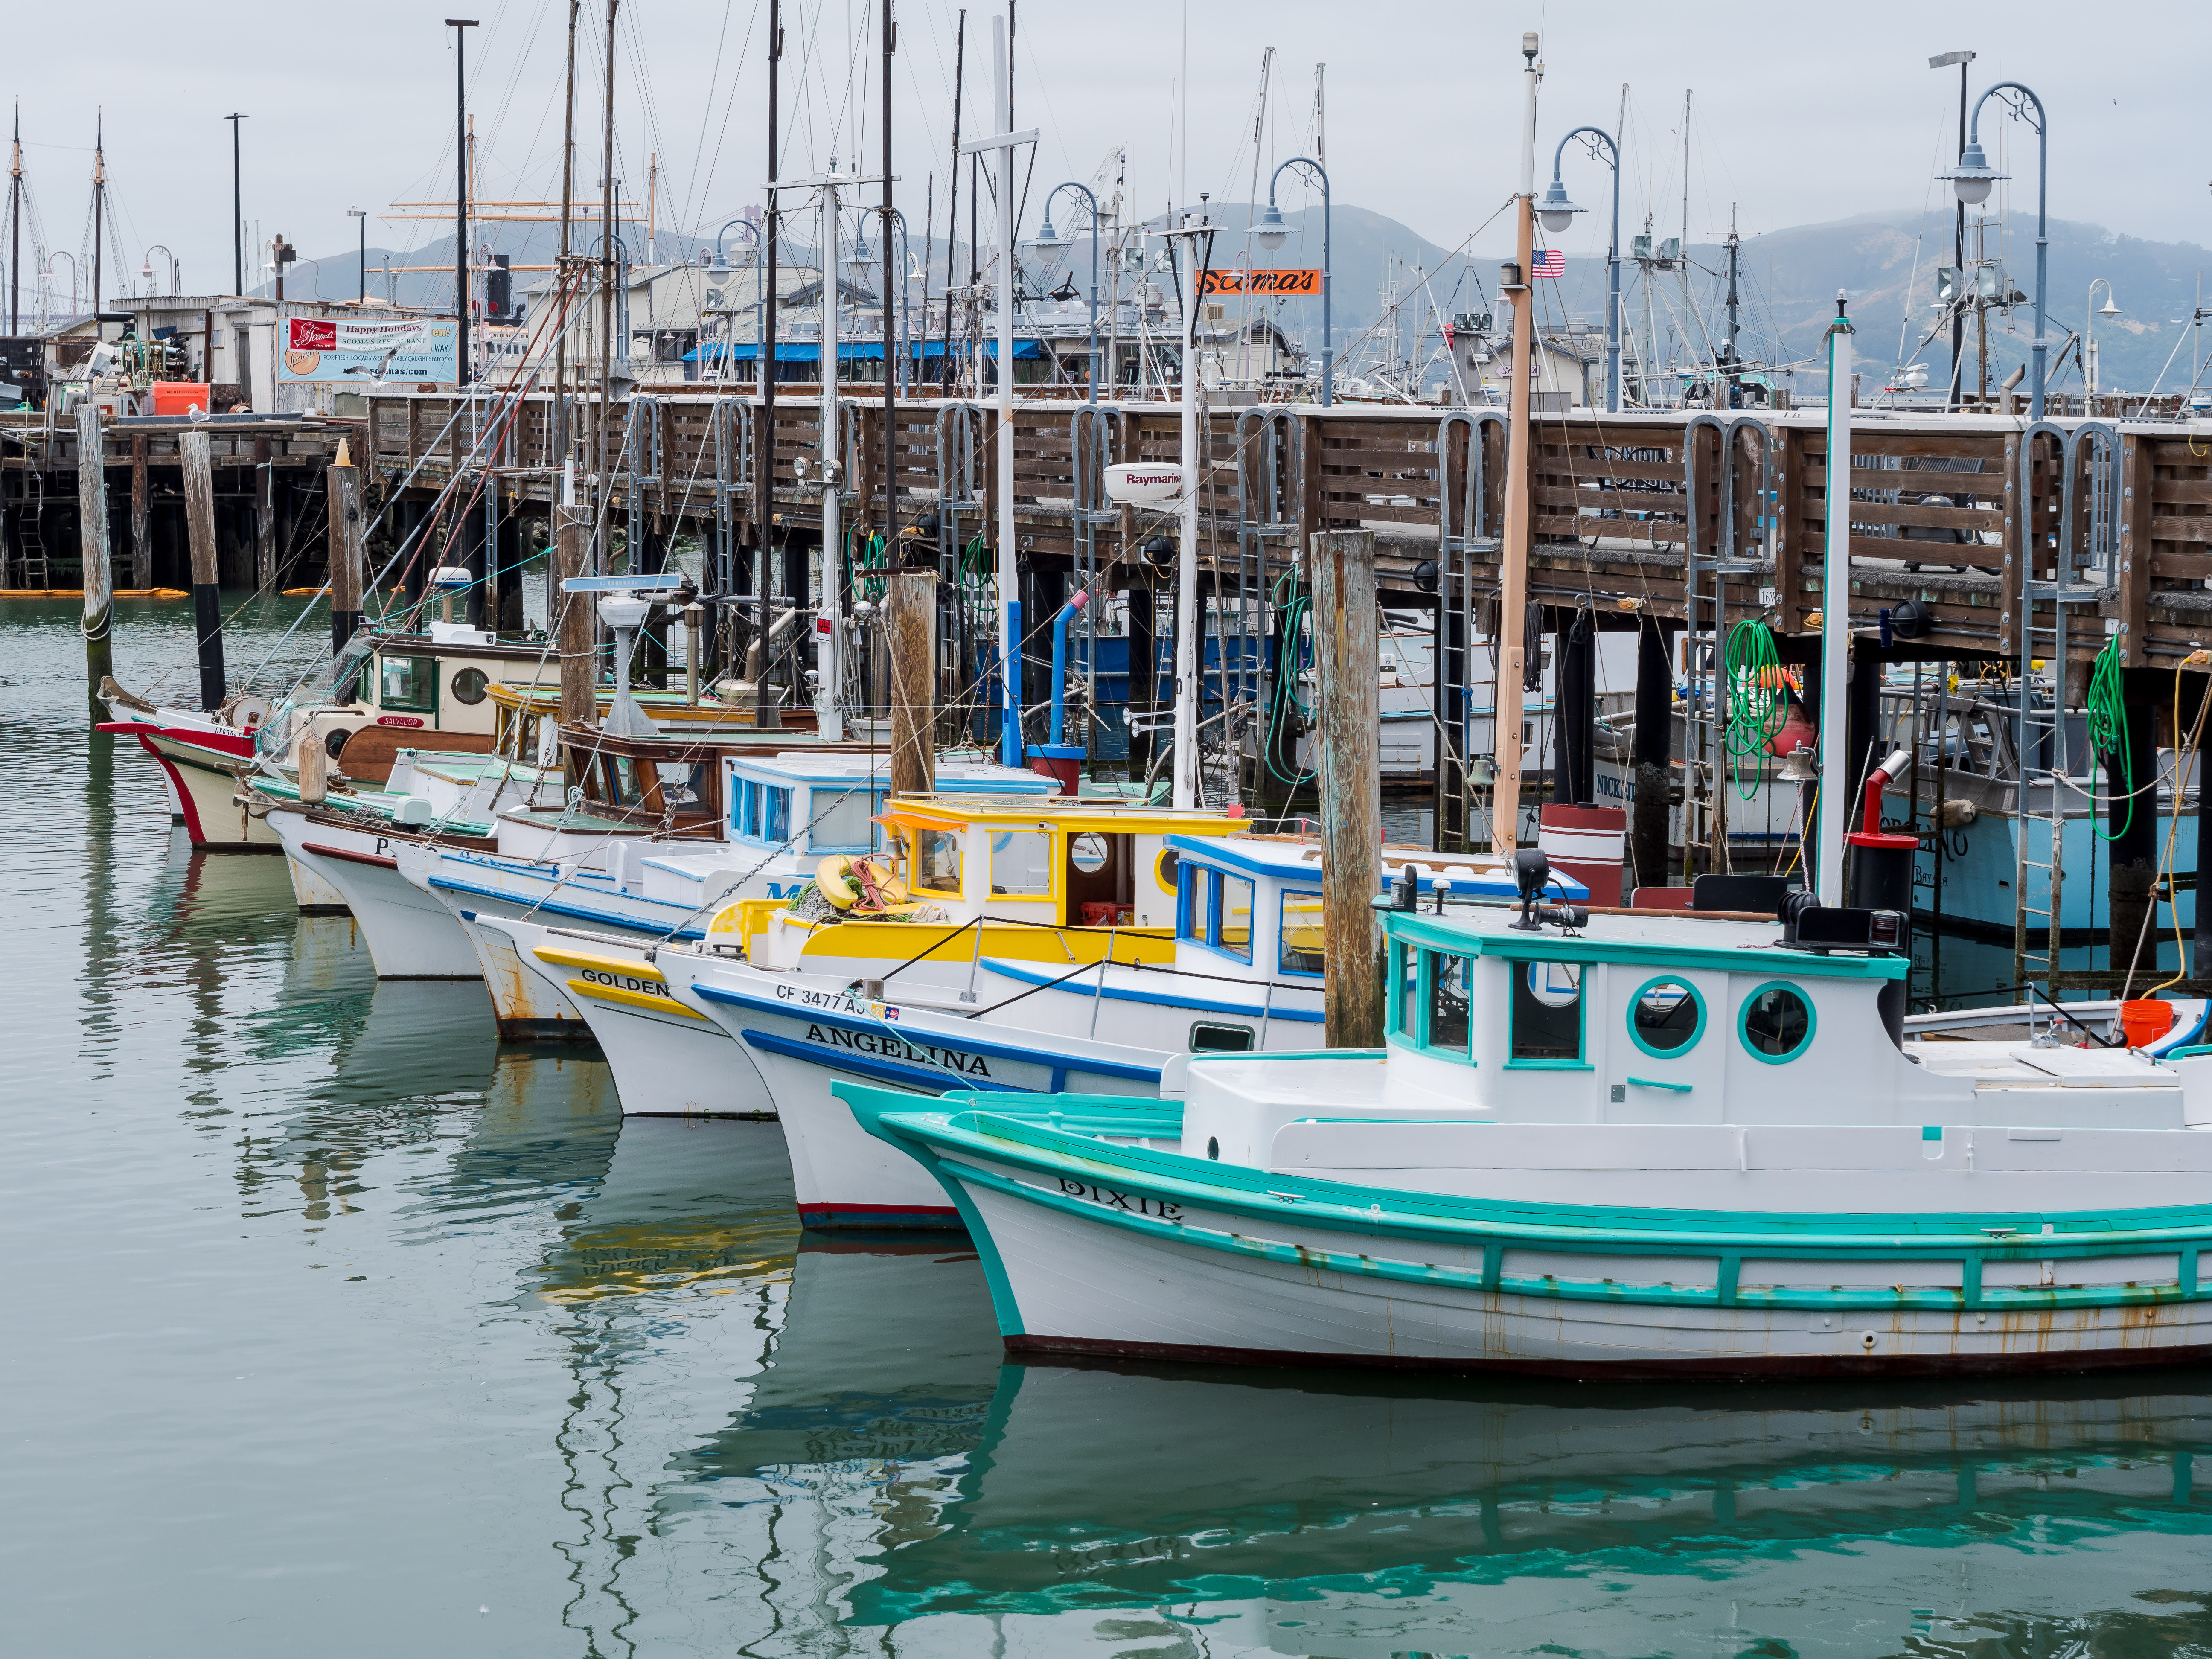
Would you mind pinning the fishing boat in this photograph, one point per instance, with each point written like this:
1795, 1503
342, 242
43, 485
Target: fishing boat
1094, 1010
784, 811
1621, 1143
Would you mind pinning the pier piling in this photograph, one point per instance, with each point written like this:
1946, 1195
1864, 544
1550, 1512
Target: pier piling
343, 490
910, 600
1346, 655
199, 525
92, 523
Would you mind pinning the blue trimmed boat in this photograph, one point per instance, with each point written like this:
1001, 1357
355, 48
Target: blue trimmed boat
1642, 1145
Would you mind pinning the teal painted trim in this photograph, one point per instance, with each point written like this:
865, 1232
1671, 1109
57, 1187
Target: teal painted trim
1003, 1305
1726, 1293
1549, 1066
2188, 1278
991, 1131
1697, 1031
1445, 934
1655, 1082
1931, 1131
1428, 1003
2185, 1054
1970, 1282
1743, 1022
1514, 1063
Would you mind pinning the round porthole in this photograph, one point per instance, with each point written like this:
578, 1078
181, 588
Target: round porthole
1166, 867
1665, 1017
1776, 1023
1089, 853
469, 684
334, 743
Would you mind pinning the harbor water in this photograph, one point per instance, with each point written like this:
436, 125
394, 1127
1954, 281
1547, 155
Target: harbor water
337, 1328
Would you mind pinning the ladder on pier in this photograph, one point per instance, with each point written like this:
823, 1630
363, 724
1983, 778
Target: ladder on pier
32, 569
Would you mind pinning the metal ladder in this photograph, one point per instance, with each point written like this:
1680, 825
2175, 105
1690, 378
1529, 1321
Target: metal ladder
34, 570
959, 497
1095, 435
1270, 470
2084, 569
1462, 532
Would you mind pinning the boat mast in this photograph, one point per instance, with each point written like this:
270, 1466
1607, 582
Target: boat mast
99, 209
1010, 603
1734, 358
15, 230
1513, 597
952, 210
561, 261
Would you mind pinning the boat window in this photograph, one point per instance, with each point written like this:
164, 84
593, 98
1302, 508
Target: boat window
1665, 1017
1776, 1023
842, 819
469, 686
1166, 869
745, 809
1089, 853
1210, 1037
1301, 940
1547, 1011
1232, 921
623, 786
775, 814
682, 784
1450, 979
1407, 976
1021, 863
408, 682
937, 860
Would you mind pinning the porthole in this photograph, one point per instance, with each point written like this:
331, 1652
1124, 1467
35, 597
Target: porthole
1089, 853
469, 684
1166, 869
334, 744
1206, 1037
1776, 1023
1665, 1017
1213, 1148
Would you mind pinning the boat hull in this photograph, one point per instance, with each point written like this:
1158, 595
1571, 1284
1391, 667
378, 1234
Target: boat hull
204, 769
1105, 1256
410, 934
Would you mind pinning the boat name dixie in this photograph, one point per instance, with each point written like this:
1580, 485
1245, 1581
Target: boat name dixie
1109, 1197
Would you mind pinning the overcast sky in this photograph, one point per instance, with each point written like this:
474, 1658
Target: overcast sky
1799, 114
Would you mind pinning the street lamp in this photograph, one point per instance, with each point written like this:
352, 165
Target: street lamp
1047, 239
2089, 335
176, 280
1558, 213
63, 253
721, 269
362, 214
905, 309
1271, 233
1972, 180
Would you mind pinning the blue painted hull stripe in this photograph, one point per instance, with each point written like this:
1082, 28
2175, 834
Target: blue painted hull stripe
1057, 1063
653, 930
907, 1076
1090, 988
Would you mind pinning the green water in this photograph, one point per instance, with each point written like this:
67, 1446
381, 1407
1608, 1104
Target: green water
334, 1328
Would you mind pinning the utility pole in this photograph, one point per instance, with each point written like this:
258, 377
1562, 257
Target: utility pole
237, 219
460, 26
1513, 595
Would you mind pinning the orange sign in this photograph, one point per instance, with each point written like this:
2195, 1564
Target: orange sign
1275, 282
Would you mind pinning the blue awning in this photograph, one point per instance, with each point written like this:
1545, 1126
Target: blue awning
748, 351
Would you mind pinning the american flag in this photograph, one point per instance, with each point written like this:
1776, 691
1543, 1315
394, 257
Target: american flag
1549, 262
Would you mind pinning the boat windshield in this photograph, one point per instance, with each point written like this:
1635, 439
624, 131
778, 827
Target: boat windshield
338, 683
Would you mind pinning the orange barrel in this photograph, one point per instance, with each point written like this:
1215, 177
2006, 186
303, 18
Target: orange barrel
2144, 1020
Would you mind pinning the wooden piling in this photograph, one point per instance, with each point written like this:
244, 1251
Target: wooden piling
574, 615
1652, 749
264, 518
142, 537
343, 487
1350, 717
199, 525
92, 521
910, 635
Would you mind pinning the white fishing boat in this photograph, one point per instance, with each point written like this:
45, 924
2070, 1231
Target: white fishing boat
1617, 1143
783, 811
1079, 1010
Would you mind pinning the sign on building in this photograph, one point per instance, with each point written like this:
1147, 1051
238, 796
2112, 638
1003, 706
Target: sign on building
1274, 284
358, 353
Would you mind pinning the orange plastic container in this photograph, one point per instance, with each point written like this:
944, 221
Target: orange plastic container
2144, 1020
178, 397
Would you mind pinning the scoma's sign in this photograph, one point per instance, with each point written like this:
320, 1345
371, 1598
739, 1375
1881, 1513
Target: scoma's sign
1143, 482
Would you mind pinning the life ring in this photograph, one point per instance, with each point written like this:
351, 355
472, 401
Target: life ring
834, 877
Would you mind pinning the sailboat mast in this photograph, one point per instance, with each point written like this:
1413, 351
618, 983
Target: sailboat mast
952, 210
561, 264
98, 211
15, 229
1513, 596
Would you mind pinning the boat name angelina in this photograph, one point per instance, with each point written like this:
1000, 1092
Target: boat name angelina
1113, 1199
893, 1048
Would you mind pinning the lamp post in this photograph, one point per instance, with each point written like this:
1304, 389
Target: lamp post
722, 267
362, 214
1558, 213
1972, 180
63, 253
1047, 239
1947, 60
1271, 234
176, 280
237, 213
2090, 336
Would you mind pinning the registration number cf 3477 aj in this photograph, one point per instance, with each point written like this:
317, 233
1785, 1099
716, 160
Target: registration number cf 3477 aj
1112, 1198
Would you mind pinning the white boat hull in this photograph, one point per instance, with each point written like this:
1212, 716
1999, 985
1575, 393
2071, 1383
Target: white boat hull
410, 934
